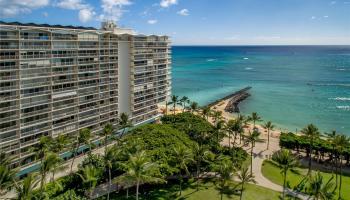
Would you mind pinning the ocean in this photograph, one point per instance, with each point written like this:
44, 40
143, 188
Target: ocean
292, 86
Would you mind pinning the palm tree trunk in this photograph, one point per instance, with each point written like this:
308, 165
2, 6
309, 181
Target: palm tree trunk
251, 160
174, 108
109, 182
106, 141
284, 184
229, 139
74, 156
268, 138
336, 171
242, 189
53, 175
340, 175
137, 190
127, 193
234, 138
42, 182
198, 173
180, 184
166, 108
310, 159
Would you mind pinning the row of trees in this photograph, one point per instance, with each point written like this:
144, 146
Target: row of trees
48, 152
312, 141
331, 147
313, 184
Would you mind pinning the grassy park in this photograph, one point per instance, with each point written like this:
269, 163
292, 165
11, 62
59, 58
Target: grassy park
271, 171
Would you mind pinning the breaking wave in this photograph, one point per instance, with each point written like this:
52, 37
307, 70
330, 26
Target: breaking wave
211, 60
341, 98
344, 107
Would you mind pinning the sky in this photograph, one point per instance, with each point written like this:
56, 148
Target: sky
200, 22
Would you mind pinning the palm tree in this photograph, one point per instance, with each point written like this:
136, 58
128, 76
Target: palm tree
183, 157
269, 126
183, 101
225, 171
245, 177
200, 153
331, 140
194, 106
255, 118
319, 189
25, 188
140, 170
83, 138
311, 133
286, 161
217, 116
218, 128
242, 121
51, 163
252, 139
341, 143
106, 132
124, 123
230, 129
7, 177
236, 127
89, 177
206, 112
60, 143
174, 101
44, 146
109, 159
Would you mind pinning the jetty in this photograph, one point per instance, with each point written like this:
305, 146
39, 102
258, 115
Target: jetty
234, 99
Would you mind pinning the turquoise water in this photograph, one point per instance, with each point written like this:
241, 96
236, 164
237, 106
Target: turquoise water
292, 85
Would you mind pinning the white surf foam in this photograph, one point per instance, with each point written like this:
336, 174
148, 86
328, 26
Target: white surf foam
211, 60
341, 98
343, 107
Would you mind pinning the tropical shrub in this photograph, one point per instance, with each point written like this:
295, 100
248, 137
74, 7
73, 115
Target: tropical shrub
195, 126
159, 141
69, 195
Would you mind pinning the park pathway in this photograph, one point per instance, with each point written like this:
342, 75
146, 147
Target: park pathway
261, 153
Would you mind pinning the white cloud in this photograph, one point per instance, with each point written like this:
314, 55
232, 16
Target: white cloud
167, 3
86, 11
11, 8
152, 21
45, 14
313, 17
113, 9
183, 12
86, 15
326, 16
73, 4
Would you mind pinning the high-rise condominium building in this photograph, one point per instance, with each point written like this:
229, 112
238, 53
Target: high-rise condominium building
59, 79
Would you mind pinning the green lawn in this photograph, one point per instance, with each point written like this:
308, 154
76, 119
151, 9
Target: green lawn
208, 191
272, 172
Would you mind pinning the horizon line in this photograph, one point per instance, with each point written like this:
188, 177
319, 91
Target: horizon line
240, 45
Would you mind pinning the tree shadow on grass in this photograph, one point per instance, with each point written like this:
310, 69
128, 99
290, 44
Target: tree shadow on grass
229, 191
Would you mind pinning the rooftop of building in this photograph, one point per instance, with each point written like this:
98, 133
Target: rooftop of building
108, 26
46, 25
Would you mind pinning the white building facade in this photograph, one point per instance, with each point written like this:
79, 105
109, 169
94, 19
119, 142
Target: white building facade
59, 79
